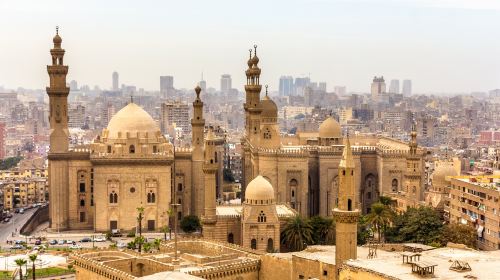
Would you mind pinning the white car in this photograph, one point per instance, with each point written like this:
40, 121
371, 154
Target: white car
121, 245
99, 239
77, 246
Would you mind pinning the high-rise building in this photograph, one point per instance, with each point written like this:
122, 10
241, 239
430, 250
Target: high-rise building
2, 140
407, 87
286, 86
115, 80
73, 85
378, 87
339, 90
225, 83
301, 84
394, 87
77, 116
203, 84
175, 114
166, 85
322, 86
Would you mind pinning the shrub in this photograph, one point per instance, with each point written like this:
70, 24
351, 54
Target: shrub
190, 224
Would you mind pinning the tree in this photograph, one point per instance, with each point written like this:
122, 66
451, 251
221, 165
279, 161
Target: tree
165, 230
364, 231
157, 244
385, 200
297, 233
33, 258
323, 230
190, 224
461, 234
138, 242
422, 225
147, 247
140, 213
20, 263
379, 217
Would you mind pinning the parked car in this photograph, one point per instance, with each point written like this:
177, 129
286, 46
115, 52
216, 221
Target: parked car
16, 210
21, 211
99, 239
86, 239
17, 247
75, 246
116, 233
121, 245
6, 220
38, 242
61, 242
53, 242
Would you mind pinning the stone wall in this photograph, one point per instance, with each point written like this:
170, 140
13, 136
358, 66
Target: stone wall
40, 216
272, 265
348, 272
303, 268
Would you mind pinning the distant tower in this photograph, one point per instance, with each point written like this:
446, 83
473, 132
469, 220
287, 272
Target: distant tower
347, 214
412, 176
394, 87
198, 126
58, 99
166, 86
58, 154
407, 87
225, 83
203, 84
209, 219
286, 86
115, 80
378, 87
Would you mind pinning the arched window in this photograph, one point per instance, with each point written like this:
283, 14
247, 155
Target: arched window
179, 187
349, 205
253, 244
111, 198
230, 238
267, 134
414, 190
115, 198
394, 185
262, 217
131, 149
82, 202
215, 156
270, 245
153, 198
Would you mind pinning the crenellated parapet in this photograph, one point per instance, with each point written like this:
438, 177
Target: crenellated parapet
228, 270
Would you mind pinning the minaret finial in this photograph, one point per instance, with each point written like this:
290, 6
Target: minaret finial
250, 50
255, 48
57, 29
266, 89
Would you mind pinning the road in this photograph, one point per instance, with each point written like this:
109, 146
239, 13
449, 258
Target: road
16, 222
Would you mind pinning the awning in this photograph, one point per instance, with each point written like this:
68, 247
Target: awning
480, 230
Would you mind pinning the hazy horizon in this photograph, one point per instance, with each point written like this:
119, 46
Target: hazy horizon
441, 45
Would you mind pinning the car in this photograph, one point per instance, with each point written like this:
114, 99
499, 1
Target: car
86, 239
9, 215
17, 247
38, 242
17, 242
116, 233
61, 242
21, 211
6, 220
121, 245
75, 246
99, 239
53, 242
16, 210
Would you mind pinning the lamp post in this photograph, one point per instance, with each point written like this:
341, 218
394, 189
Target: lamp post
174, 204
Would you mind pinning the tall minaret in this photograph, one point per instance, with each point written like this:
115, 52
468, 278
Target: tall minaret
252, 104
198, 126
58, 99
413, 174
209, 218
347, 214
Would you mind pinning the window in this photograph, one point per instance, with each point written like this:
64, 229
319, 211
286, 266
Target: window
230, 238
151, 198
179, 187
154, 149
349, 205
270, 245
109, 149
82, 202
414, 190
262, 217
82, 217
82, 187
113, 197
253, 244
215, 157
394, 185
267, 134
131, 149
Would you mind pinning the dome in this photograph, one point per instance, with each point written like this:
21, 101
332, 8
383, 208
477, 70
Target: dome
259, 189
440, 173
330, 128
133, 119
269, 108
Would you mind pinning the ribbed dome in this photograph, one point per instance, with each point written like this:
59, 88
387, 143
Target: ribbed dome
57, 39
259, 189
132, 118
269, 108
440, 173
330, 128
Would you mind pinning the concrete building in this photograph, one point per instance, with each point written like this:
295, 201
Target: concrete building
407, 88
175, 114
394, 86
76, 116
2, 139
225, 83
166, 86
286, 86
116, 82
474, 201
377, 88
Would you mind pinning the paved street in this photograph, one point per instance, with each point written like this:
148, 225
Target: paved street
16, 222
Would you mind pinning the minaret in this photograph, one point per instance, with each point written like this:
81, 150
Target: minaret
198, 126
413, 175
58, 99
209, 219
252, 104
347, 214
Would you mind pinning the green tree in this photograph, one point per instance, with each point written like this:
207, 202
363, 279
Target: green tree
20, 263
461, 234
379, 217
323, 230
364, 231
165, 230
422, 225
33, 258
138, 242
157, 244
297, 233
190, 224
147, 247
385, 200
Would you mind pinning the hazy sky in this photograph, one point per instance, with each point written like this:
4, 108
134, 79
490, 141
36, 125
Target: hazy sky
442, 45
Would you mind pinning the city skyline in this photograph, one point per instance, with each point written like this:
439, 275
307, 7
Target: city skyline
442, 46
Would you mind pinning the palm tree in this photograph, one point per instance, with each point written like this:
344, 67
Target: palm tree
157, 244
20, 263
297, 233
33, 258
139, 240
140, 212
379, 216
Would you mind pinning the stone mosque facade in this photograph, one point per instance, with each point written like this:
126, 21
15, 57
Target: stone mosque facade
131, 164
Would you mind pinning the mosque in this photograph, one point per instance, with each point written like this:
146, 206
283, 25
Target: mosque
131, 164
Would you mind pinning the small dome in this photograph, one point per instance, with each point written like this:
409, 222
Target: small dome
57, 39
255, 60
440, 173
259, 189
330, 128
269, 108
133, 119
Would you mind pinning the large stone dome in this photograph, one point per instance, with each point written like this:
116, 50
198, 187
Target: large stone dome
440, 173
259, 191
269, 108
132, 119
330, 128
